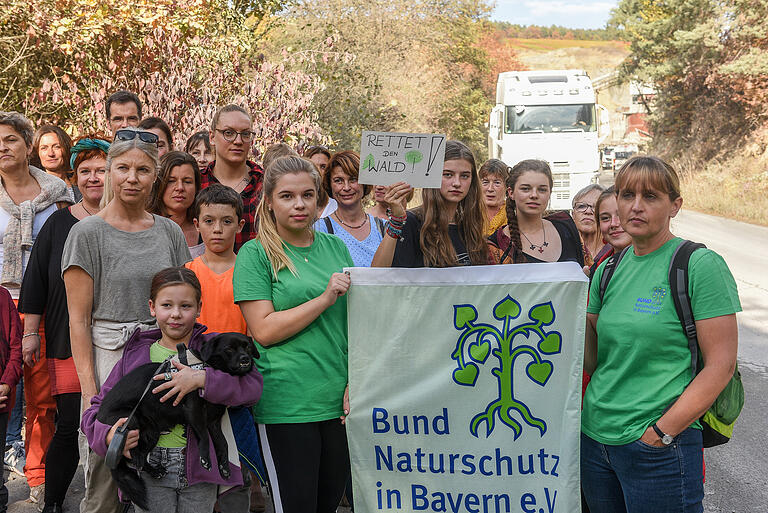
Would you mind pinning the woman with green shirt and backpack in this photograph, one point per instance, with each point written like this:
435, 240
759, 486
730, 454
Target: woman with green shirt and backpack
290, 287
641, 438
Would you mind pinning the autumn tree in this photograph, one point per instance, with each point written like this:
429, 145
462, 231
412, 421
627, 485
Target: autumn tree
183, 58
708, 60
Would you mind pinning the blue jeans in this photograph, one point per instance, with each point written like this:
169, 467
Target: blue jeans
639, 478
171, 493
17, 417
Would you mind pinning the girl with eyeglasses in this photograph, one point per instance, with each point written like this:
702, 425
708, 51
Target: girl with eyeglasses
586, 222
530, 236
120, 248
232, 136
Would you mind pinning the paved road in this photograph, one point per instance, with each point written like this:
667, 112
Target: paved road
737, 473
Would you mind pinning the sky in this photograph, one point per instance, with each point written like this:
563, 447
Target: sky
567, 13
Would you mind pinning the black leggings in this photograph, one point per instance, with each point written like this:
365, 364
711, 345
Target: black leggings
63, 456
307, 464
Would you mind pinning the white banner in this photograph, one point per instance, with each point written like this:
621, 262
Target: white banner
465, 388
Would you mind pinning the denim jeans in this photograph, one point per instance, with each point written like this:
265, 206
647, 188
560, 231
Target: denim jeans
13, 434
171, 493
639, 478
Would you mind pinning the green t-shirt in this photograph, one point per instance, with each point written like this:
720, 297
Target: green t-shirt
175, 437
304, 375
643, 360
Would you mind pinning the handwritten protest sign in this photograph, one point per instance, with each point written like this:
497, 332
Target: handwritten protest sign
465, 396
390, 157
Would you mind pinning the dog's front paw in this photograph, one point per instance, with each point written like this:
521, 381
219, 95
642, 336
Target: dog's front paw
224, 470
205, 462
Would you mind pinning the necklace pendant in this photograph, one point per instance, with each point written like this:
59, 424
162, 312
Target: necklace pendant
541, 250
533, 247
545, 244
306, 259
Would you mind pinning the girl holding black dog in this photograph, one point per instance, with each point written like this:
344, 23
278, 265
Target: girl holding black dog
289, 285
186, 486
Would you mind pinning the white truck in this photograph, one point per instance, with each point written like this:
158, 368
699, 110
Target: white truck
549, 115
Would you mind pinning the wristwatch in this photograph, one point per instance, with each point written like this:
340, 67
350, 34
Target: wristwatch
665, 438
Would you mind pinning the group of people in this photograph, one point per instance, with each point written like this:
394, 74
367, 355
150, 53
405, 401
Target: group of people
117, 248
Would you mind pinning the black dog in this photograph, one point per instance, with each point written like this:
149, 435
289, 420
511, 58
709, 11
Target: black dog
229, 352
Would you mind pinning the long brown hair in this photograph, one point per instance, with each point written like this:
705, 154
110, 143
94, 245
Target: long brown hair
470, 216
168, 163
537, 166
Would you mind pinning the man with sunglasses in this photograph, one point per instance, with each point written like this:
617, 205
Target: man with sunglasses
231, 137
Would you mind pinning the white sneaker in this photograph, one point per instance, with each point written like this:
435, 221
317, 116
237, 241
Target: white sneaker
15, 459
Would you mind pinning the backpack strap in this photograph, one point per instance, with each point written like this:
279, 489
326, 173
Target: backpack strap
610, 268
380, 225
678, 284
328, 224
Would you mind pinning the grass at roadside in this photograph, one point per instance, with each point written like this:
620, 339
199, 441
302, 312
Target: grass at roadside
736, 188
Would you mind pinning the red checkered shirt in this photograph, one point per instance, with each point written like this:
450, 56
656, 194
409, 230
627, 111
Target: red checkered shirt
251, 196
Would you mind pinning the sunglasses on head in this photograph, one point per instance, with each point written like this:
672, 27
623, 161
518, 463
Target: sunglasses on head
128, 135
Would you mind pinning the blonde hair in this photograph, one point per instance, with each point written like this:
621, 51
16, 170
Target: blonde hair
267, 233
117, 148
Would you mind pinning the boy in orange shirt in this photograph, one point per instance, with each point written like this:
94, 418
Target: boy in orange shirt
218, 218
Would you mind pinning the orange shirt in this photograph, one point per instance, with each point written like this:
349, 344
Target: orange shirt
219, 312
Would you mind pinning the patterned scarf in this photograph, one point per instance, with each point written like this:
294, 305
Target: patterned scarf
18, 233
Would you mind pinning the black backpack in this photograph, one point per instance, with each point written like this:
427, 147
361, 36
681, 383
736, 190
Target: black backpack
718, 421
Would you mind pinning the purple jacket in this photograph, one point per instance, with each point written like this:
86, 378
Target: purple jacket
220, 388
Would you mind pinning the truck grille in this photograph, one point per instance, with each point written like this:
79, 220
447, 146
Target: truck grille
561, 181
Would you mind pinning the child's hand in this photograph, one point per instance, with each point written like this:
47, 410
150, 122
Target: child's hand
181, 383
131, 441
4, 391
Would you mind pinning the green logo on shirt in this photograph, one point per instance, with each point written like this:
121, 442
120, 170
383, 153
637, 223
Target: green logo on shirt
479, 340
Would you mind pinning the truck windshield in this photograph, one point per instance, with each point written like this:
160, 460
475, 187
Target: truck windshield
550, 118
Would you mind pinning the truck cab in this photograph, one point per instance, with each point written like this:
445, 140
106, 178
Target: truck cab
549, 115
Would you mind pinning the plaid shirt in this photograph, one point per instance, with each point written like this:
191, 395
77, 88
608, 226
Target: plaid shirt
251, 196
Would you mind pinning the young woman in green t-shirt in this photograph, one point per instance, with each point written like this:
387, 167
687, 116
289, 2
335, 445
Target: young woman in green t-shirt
641, 440
290, 287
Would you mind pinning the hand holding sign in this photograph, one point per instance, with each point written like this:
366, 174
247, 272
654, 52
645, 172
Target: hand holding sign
396, 198
391, 157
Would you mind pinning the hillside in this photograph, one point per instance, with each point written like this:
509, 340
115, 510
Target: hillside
595, 57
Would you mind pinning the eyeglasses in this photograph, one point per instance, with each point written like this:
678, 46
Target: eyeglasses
230, 135
583, 207
129, 135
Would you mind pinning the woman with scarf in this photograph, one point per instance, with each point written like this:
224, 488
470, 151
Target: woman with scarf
43, 293
28, 196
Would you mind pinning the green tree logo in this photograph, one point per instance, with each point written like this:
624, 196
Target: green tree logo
478, 341
413, 157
